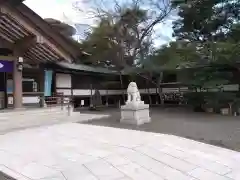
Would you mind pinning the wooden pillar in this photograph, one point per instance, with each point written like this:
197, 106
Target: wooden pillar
17, 86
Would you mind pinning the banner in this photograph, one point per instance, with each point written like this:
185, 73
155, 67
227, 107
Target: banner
6, 66
48, 83
9, 86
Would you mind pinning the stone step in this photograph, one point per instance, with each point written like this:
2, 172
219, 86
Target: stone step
16, 124
24, 111
36, 113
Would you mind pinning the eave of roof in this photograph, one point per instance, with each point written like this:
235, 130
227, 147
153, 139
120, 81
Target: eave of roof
63, 43
13, 35
46, 28
82, 67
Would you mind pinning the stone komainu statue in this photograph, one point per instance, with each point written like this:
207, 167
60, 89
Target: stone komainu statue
133, 93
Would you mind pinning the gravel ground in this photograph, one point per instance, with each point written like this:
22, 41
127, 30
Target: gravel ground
213, 129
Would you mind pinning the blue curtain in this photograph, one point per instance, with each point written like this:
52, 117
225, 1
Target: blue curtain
48, 83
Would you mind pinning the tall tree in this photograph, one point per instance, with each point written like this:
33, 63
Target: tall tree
213, 26
205, 20
133, 23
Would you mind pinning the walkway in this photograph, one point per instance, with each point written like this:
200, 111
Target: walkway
223, 131
17, 120
75, 151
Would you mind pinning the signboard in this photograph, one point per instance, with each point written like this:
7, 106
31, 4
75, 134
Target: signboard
82, 102
6, 66
9, 86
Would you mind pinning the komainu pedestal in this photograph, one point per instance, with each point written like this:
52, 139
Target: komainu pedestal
135, 111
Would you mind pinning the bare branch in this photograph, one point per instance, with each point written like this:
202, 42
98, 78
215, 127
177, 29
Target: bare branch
131, 26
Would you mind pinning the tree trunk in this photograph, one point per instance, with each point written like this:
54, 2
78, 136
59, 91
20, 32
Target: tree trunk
121, 81
149, 95
91, 97
230, 108
107, 98
158, 86
160, 94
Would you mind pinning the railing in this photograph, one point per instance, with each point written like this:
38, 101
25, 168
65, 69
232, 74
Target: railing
57, 100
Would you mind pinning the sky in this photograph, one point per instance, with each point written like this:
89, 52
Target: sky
64, 11
60, 9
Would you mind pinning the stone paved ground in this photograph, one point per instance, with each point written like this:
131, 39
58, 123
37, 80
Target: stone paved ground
214, 129
76, 151
10, 123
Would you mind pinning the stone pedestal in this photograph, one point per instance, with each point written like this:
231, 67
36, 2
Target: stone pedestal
136, 113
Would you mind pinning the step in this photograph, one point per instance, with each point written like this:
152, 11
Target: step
24, 111
32, 113
10, 125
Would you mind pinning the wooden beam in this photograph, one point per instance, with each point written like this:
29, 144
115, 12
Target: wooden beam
5, 24
30, 27
9, 32
14, 24
4, 43
43, 46
22, 45
45, 53
12, 2
5, 36
37, 54
33, 57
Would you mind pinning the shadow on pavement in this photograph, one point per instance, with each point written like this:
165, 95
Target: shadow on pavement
222, 131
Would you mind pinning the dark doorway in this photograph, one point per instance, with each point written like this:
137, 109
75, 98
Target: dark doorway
3, 93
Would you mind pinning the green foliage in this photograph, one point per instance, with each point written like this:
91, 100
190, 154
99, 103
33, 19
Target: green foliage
215, 100
117, 41
207, 78
205, 20
177, 55
207, 38
97, 44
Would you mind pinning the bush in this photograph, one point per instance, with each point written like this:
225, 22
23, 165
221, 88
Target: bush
216, 100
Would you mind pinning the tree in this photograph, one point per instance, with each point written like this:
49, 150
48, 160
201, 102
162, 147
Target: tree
176, 55
205, 35
208, 24
132, 25
124, 36
205, 20
98, 45
212, 26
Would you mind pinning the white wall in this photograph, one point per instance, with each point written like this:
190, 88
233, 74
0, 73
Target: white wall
66, 92
87, 92
26, 100
231, 87
63, 80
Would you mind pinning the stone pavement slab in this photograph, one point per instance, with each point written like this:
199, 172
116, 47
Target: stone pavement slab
76, 151
18, 122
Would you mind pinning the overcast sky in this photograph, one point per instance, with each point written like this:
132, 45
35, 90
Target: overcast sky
63, 10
